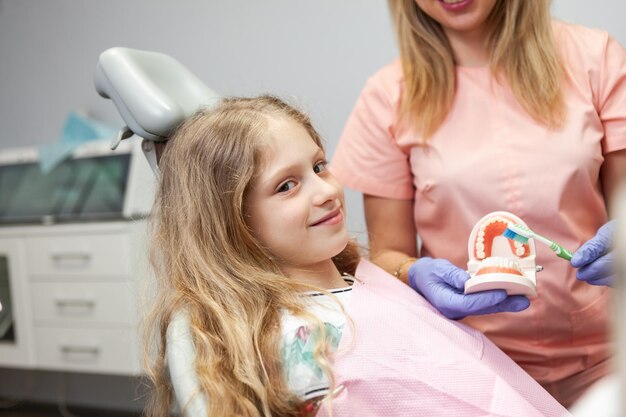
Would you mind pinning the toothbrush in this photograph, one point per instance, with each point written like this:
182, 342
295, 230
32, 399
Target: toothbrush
521, 234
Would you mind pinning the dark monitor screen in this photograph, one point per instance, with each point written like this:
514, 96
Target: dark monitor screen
77, 189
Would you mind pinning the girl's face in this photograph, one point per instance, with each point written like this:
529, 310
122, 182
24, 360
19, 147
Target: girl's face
458, 17
296, 207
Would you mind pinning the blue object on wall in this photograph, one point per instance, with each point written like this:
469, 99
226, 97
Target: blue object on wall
76, 131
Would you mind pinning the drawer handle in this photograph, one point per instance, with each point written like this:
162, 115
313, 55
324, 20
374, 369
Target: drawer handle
70, 259
61, 303
71, 256
81, 350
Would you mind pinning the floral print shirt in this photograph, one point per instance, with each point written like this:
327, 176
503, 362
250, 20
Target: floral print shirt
303, 374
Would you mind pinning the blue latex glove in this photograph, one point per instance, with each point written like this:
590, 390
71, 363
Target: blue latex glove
594, 259
443, 284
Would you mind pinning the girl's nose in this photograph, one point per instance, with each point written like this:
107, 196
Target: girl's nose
324, 191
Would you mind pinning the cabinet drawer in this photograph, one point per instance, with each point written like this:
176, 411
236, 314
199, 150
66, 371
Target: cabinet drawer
106, 351
77, 257
93, 303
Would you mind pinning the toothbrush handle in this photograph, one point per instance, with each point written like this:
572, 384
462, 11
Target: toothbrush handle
561, 252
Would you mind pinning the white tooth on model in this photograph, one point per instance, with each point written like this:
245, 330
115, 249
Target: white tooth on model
500, 262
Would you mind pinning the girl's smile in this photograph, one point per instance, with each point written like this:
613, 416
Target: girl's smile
333, 218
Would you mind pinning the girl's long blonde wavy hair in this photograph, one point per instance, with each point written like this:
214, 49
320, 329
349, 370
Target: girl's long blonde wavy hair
522, 51
208, 264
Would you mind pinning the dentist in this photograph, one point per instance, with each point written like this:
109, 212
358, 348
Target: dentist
494, 106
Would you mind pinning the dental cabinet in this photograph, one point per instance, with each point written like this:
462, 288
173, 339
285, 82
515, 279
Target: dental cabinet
72, 259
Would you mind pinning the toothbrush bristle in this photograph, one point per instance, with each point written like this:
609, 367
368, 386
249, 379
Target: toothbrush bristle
510, 234
520, 230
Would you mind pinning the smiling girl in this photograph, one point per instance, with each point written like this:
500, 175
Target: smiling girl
247, 218
250, 248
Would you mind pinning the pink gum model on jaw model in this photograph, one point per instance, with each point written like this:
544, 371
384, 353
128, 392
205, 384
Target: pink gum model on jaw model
496, 262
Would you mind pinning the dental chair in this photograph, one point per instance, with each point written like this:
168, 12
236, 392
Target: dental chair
154, 93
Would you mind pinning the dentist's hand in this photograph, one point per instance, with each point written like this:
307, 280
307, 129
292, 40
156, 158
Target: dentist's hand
443, 284
594, 259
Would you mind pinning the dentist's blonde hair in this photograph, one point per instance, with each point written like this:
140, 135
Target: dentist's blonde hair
209, 264
522, 53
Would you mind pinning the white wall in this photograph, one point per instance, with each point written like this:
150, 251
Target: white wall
318, 51
602, 14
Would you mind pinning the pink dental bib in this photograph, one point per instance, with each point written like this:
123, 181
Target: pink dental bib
405, 359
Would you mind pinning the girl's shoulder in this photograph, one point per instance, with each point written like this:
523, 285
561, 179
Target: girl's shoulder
299, 340
328, 309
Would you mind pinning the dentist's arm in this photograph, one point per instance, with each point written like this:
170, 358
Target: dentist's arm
613, 174
393, 247
391, 232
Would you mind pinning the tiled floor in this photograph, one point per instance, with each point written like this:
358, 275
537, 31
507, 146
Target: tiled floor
38, 410
37, 393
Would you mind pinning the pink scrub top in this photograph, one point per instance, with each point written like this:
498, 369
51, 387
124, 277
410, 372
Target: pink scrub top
491, 155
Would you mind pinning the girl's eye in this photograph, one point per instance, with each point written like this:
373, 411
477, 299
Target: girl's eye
320, 167
286, 186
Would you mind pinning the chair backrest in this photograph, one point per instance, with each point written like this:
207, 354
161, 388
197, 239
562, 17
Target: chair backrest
180, 359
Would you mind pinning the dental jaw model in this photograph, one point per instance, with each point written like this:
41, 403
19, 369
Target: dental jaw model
496, 262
